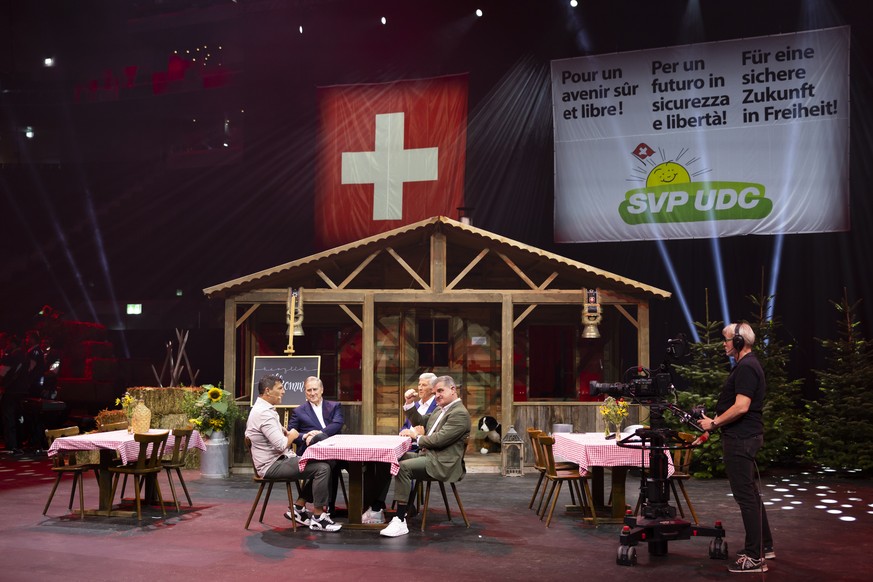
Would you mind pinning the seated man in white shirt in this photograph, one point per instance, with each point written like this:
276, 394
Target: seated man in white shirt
274, 457
426, 399
381, 472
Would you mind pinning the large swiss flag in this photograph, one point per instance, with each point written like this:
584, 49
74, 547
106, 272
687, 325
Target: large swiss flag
390, 154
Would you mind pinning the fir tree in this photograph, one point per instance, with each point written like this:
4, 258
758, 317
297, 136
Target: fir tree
705, 373
785, 411
841, 419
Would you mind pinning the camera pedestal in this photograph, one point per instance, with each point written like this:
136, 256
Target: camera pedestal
657, 524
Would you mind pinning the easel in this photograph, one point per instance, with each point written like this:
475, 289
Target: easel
294, 320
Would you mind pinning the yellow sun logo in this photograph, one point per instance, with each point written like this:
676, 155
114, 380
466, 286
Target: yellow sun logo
668, 173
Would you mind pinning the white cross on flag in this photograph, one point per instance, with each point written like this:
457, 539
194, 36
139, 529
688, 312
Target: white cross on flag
391, 154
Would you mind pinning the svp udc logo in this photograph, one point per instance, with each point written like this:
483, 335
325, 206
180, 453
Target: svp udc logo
672, 195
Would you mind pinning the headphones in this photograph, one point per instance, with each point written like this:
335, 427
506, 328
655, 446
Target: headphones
738, 340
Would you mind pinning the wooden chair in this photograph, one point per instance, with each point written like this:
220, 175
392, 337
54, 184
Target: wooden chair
269, 482
120, 425
557, 477
148, 463
64, 463
182, 437
540, 465
681, 472
428, 481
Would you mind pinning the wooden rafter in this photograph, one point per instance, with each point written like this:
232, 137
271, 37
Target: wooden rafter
518, 271
467, 269
247, 314
408, 269
627, 315
326, 279
358, 269
533, 306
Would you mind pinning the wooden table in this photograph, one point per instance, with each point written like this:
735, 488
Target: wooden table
110, 444
593, 452
357, 449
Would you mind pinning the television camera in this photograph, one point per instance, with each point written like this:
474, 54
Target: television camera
657, 523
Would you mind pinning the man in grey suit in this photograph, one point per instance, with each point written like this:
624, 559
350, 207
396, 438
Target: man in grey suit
441, 437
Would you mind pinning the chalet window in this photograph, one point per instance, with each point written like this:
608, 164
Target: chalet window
433, 343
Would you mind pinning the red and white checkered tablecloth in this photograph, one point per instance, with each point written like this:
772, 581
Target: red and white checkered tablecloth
359, 448
117, 440
591, 449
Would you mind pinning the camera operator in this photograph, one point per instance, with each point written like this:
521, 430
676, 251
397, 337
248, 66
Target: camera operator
739, 418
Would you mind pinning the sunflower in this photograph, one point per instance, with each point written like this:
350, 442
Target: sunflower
215, 394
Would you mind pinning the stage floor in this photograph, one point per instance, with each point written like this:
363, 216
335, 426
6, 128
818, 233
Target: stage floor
821, 525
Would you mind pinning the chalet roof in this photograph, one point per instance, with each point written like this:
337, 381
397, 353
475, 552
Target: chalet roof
462, 240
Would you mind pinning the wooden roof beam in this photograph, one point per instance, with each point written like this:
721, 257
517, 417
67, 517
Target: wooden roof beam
518, 271
358, 269
467, 269
408, 269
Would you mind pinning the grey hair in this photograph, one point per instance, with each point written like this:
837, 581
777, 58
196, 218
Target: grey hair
744, 330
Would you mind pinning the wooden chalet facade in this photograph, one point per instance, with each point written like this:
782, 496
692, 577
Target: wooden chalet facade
501, 317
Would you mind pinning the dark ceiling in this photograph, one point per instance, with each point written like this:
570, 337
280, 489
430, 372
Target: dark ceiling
127, 192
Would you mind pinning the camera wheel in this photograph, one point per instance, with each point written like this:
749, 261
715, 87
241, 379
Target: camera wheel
627, 556
718, 549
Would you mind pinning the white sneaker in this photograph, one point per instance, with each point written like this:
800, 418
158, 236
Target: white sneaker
323, 522
397, 527
371, 516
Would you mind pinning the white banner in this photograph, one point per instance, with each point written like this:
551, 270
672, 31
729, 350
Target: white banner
738, 137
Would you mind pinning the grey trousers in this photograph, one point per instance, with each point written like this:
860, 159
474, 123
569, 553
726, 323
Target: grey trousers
317, 490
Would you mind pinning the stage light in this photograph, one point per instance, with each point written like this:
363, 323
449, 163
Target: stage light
49, 62
720, 278
677, 288
134, 308
479, 12
178, 292
300, 28
384, 20
574, 3
28, 132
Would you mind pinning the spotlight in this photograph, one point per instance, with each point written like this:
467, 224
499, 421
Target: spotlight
28, 132
48, 62
384, 20
574, 3
300, 28
479, 12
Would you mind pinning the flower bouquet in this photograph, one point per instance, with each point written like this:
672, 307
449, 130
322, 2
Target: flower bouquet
212, 410
613, 412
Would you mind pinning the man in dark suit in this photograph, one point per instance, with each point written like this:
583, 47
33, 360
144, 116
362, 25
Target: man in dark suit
315, 420
441, 437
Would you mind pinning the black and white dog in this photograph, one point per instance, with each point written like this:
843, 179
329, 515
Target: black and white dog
491, 439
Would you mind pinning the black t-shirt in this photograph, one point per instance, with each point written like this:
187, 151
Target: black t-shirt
747, 378
35, 365
15, 380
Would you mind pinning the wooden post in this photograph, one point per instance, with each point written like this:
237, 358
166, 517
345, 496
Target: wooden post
368, 370
506, 361
230, 346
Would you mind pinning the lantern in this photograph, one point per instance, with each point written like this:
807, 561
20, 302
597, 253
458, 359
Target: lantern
512, 454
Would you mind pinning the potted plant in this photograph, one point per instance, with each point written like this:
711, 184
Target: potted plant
211, 411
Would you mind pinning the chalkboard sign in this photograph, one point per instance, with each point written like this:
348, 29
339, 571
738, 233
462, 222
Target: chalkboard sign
294, 370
